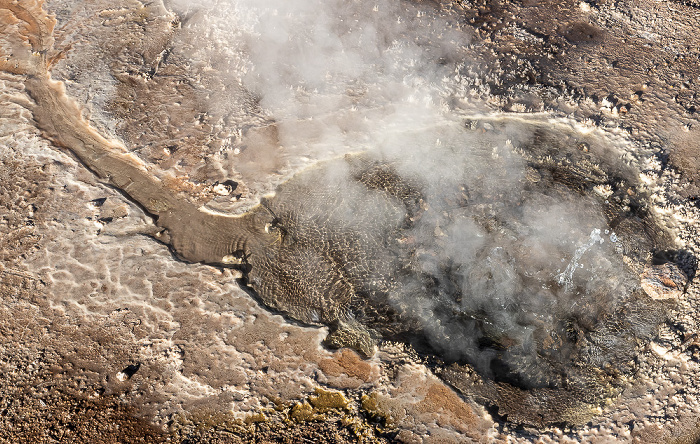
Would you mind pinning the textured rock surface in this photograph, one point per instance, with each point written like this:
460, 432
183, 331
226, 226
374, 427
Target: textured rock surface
198, 342
664, 281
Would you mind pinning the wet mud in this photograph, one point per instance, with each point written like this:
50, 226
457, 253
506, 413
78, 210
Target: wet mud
343, 244
524, 286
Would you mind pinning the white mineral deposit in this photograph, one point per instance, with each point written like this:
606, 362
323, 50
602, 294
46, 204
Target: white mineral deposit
341, 221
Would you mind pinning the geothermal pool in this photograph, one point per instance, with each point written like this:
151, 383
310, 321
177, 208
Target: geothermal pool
382, 233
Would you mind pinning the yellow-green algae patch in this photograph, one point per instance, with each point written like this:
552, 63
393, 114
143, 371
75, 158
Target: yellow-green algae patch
317, 405
371, 406
324, 410
326, 400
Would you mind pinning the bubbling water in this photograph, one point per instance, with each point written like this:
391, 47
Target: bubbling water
507, 254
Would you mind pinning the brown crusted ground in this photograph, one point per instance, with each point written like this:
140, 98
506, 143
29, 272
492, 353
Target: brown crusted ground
685, 157
347, 362
50, 366
628, 64
615, 58
39, 402
331, 431
22, 194
50, 395
162, 102
439, 398
583, 47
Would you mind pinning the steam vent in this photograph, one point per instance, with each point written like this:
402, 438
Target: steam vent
236, 221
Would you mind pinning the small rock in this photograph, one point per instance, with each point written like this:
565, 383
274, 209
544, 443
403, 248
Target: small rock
665, 281
112, 209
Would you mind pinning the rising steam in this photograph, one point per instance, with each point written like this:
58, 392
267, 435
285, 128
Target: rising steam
496, 260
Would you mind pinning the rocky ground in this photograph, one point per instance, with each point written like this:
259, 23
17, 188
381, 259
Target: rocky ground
106, 337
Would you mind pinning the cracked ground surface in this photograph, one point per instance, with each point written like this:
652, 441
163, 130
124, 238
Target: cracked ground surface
100, 345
